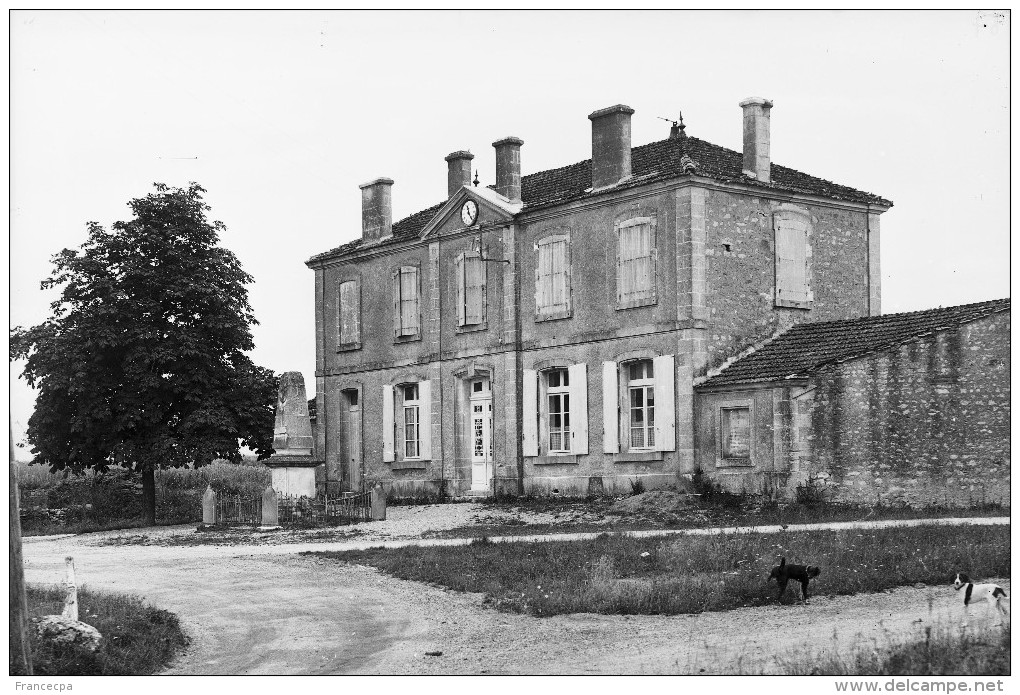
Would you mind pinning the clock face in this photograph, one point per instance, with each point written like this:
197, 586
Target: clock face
469, 213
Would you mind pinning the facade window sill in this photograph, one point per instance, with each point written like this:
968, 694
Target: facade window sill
734, 463
347, 347
635, 456
406, 338
473, 327
553, 316
408, 464
791, 304
553, 459
635, 303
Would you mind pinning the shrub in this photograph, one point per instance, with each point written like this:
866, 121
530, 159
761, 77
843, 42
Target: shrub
234, 479
637, 486
810, 495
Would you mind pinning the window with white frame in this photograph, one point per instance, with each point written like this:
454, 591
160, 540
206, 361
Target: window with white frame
635, 262
638, 406
641, 405
405, 428
735, 432
412, 422
470, 273
558, 418
406, 313
349, 325
552, 277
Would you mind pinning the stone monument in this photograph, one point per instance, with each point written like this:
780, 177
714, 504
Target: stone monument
294, 462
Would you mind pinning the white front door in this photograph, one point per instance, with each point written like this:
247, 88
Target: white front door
481, 434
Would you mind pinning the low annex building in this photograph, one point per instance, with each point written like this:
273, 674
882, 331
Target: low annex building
544, 335
903, 408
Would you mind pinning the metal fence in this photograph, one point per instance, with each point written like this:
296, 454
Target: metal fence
347, 508
234, 509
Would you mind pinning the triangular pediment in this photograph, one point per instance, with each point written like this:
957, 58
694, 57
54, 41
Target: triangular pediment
493, 208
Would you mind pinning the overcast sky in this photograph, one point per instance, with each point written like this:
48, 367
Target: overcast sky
281, 115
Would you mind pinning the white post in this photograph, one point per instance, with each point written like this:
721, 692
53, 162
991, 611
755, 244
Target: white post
71, 602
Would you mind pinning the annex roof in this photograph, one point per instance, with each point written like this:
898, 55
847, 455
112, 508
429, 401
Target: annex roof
807, 347
665, 159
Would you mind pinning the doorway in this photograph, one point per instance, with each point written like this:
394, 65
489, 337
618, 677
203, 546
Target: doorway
350, 440
480, 410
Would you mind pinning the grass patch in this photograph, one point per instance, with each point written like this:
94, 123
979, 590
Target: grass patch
691, 574
138, 639
596, 516
942, 652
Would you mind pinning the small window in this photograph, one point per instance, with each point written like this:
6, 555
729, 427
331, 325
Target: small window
635, 263
641, 405
477, 386
552, 278
793, 272
412, 422
736, 433
406, 314
470, 290
558, 392
349, 333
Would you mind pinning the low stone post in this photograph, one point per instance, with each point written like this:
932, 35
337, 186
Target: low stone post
71, 600
378, 503
270, 507
209, 506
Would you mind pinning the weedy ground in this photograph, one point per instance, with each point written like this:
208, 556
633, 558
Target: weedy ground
138, 639
943, 651
691, 574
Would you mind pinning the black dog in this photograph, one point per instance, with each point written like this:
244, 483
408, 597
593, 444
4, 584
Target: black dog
802, 573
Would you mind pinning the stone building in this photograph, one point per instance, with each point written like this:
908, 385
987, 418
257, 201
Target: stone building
545, 334
905, 408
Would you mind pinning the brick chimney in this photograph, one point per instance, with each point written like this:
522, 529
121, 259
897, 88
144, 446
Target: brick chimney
756, 138
610, 145
508, 167
376, 210
458, 172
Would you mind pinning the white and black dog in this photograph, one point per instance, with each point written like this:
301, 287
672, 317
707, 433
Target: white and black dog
992, 594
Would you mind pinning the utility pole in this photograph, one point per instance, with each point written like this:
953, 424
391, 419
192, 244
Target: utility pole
21, 653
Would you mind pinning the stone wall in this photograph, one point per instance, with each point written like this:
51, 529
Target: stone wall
926, 423
740, 270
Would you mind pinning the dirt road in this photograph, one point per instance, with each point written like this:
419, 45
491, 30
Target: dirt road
278, 613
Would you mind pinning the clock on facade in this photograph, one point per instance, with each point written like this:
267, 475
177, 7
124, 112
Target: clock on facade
469, 213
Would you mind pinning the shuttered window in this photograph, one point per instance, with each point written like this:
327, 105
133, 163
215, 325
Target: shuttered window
350, 315
792, 280
405, 301
470, 290
558, 392
552, 281
641, 409
635, 263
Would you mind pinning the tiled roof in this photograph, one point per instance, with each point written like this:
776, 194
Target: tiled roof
652, 162
807, 347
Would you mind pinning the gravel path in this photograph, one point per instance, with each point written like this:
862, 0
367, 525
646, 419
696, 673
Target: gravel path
262, 610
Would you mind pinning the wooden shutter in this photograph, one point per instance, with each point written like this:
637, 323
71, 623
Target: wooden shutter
543, 278
350, 309
461, 289
529, 426
791, 259
610, 408
578, 408
425, 419
474, 282
396, 303
409, 295
387, 422
665, 403
627, 251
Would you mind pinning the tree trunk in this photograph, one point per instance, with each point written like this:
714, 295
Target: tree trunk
20, 653
149, 495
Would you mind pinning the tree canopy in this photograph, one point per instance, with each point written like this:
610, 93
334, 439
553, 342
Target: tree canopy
142, 362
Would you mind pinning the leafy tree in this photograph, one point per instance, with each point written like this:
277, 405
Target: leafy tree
142, 362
